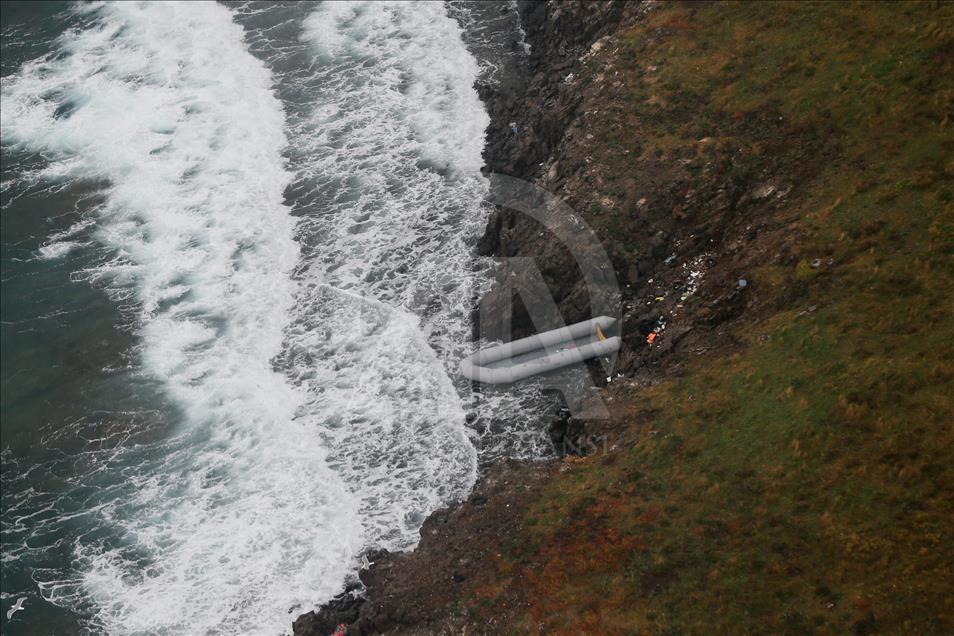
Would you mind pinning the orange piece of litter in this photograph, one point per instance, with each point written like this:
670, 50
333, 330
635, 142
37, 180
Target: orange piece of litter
651, 337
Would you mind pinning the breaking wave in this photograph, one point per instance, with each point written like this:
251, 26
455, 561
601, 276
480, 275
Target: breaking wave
302, 343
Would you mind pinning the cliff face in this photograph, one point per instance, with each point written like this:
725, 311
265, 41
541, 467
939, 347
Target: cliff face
773, 184
541, 102
544, 107
680, 224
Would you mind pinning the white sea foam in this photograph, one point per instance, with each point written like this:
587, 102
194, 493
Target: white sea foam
57, 249
416, 82
318, 418
237, 517
387, 160
388, 154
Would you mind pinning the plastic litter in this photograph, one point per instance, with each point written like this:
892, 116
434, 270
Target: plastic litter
743, 283
514, 128
651, 337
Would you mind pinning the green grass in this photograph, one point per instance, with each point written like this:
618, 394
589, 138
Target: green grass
802, 485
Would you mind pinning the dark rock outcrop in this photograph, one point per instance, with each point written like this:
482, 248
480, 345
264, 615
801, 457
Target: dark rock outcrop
542, 107
341, 610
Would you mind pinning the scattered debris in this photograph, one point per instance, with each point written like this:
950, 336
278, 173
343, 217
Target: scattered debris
743, 283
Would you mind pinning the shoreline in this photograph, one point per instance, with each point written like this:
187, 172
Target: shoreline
759, 471
502, 488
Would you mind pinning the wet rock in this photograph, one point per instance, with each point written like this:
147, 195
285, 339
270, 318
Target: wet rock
342, 609
565, 432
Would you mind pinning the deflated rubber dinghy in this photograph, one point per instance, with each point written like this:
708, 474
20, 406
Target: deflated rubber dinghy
543, 352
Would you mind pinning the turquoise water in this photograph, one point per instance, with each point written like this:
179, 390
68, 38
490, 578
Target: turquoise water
237, 277
64, 385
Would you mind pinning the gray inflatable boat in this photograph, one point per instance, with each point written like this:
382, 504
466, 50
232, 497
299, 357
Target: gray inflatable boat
543, 352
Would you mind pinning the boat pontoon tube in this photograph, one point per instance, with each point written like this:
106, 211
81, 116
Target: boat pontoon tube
543, 352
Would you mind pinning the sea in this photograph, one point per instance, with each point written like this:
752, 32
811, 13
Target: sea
238, 275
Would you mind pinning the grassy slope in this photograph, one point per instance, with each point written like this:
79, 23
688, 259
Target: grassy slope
805, 484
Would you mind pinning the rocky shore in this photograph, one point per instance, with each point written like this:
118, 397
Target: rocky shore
698, 202
555, 109
416, 592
